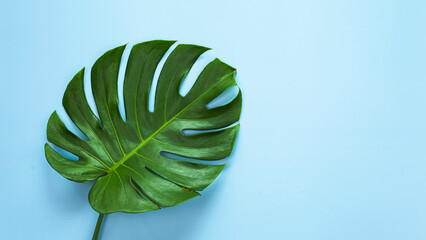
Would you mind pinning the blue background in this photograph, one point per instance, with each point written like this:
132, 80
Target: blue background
333, 129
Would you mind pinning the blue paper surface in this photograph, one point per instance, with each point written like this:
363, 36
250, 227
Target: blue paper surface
332, 143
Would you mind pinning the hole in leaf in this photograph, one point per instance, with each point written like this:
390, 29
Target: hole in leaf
192, 132
151, 171
70, 124
89, 94
64, 153
139, 189
193, 160
120, 81
224, 98
194, 72
151, 102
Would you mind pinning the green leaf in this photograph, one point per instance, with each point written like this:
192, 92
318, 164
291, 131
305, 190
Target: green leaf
133, 161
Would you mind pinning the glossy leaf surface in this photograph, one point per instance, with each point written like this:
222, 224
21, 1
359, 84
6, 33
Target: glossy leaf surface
132, 161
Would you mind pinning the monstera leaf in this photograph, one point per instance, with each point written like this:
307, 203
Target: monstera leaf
135, 162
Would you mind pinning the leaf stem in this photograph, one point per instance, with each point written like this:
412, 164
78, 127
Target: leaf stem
98, 227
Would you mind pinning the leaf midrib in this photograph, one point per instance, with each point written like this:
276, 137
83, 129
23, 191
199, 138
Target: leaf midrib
134, 151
